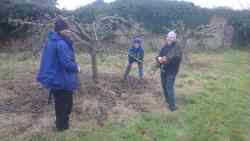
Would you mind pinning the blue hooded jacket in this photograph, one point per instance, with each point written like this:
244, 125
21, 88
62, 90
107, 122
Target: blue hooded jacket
136, 54
58, 69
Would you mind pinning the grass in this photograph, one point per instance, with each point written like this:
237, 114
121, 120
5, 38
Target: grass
12, 66
219, 111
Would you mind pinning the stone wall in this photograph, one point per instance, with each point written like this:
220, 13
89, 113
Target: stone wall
219, 35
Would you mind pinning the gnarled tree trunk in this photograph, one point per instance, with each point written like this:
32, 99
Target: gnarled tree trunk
94, 64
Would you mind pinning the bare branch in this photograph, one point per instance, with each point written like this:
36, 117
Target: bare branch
81, 30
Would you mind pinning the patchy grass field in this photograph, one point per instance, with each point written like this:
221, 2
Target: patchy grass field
213, 97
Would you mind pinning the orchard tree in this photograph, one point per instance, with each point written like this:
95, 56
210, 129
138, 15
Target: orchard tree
186, 33
87, 35
92, 35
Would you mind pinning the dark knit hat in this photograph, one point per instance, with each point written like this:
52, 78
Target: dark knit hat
137, 40
60, 25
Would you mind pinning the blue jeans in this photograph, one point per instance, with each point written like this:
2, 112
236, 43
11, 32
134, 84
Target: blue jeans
168, 85
140, 70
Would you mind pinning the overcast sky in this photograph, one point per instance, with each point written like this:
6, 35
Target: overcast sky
236, 4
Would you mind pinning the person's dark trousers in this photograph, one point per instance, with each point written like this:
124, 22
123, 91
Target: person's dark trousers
140, 71
63, 108
168, 85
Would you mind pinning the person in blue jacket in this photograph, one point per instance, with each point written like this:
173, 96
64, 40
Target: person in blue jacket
135, 55
58, 72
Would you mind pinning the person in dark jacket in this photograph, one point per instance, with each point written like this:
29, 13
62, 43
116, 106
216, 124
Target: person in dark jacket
170, 59
135, 55
58, 72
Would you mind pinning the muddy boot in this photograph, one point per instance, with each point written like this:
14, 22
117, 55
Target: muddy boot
173, 109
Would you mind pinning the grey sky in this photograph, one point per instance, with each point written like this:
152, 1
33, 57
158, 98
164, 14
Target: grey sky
73, 4
236, 4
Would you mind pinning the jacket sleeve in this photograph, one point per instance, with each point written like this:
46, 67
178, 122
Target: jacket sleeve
66, 58
161, 54
141, 54
130, 54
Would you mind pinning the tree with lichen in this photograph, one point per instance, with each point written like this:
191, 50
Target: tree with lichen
92, 35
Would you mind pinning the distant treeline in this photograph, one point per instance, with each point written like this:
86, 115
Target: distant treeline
157, 14
23, 10
154, 15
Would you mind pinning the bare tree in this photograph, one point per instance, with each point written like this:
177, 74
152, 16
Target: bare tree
93, 34
90, 35
186, 34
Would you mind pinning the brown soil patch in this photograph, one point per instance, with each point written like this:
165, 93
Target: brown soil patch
24, 108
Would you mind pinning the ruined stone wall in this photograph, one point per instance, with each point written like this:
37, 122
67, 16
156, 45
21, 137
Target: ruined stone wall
220, 35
